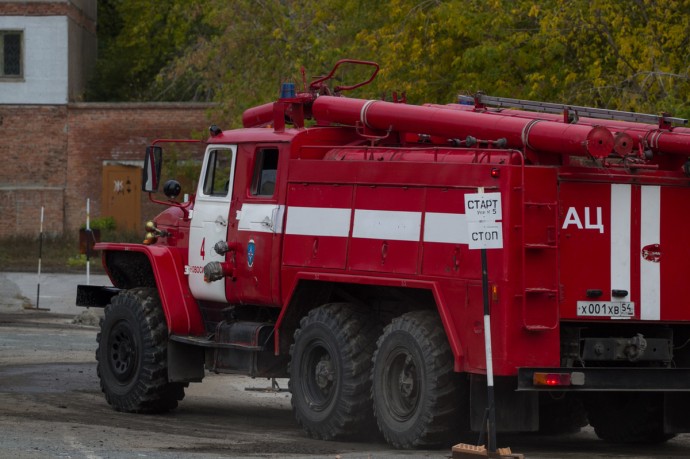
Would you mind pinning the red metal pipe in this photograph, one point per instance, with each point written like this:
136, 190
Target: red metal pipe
536, 135
258, 116
676, 141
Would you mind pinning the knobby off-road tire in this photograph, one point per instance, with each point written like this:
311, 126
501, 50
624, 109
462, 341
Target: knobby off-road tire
329, 372
416, 394
132, 354
627, 417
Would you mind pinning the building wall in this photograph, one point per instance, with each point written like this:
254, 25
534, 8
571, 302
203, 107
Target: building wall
33, 142
83, 46
54, 150
44, 61
59, 49
111, 133
54, 156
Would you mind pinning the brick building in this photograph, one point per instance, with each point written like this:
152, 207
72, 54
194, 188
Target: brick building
57, 152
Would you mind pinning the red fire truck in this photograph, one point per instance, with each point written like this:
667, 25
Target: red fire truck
328, 242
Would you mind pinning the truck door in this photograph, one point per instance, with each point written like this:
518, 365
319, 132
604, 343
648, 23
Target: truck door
210, 219
259, 218
624, 255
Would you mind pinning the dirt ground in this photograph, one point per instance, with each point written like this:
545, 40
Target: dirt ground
51, 407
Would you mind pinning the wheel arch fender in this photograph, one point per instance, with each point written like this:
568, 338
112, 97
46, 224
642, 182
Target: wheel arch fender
136, 265
449, 326
310, 290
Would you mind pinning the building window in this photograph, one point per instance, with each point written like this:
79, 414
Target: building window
10, 54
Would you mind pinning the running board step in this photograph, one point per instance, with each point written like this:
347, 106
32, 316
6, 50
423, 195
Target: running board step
203, 341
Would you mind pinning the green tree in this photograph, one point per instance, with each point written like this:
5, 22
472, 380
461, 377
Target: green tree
433, 50
263, 43
138, 39
620, 54
630, 55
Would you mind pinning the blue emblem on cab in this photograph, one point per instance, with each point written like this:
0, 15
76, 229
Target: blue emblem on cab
251, 250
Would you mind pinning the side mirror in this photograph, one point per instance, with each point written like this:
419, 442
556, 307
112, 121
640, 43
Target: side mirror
151, 174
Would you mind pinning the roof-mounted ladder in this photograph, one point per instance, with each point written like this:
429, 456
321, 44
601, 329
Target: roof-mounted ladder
482, 100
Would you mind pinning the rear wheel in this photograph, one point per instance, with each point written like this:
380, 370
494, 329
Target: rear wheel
329, 372
132, 354
627, 417
417, 396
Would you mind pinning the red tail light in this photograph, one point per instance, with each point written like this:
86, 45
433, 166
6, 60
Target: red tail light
551, 379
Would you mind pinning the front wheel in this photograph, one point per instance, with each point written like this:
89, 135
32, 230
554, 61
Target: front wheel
417, 396
329, 371
132, 354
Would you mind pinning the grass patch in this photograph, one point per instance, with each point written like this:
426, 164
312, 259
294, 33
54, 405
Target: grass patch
59, 253
20, 253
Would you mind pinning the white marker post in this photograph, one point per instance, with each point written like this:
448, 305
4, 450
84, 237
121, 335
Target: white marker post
483, 213
40, 255
88, 243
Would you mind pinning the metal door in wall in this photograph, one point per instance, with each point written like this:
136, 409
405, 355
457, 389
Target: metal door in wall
121, 196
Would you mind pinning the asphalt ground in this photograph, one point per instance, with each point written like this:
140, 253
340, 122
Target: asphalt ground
51, 405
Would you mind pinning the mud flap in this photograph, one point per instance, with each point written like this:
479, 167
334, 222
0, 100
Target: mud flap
185, 362
515, 411
676, 419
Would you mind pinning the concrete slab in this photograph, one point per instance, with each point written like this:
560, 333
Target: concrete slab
58, 292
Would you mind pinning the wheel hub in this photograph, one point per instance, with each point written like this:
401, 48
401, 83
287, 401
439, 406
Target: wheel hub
123, 353
323, 373
406, 380
403, 382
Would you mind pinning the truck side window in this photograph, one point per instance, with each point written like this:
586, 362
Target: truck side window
217, 178
265, 170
